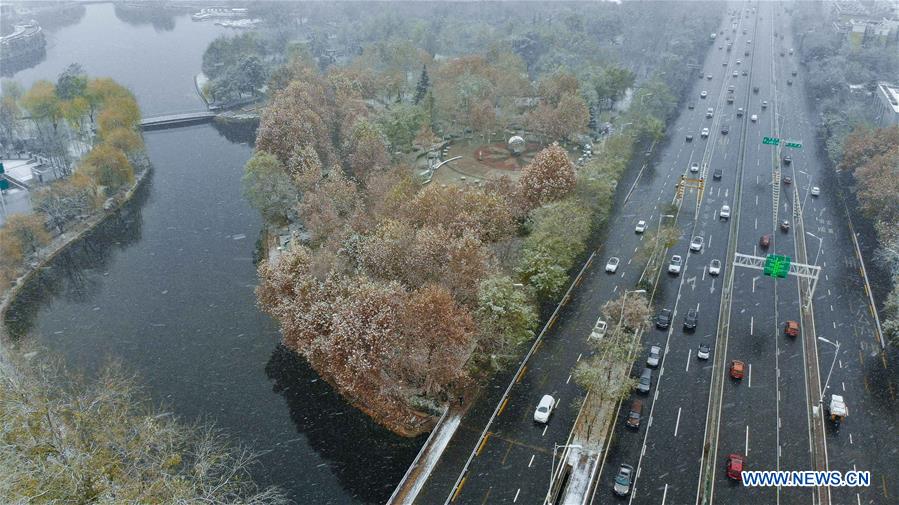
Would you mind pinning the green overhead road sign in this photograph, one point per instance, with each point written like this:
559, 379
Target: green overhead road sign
771, 141
777, 265
795, 144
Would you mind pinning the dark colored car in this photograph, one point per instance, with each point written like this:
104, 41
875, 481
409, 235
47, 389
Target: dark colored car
691, 105
663, 319
717, 173
725, 130
765, 241
794, 73
635, 415
645, 382
689, 137
787, 179
788, 159
789, 82
755, 89
691, 319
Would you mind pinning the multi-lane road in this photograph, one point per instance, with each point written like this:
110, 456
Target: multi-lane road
766, 416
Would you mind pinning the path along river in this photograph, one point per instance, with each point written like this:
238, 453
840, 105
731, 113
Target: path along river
166, 287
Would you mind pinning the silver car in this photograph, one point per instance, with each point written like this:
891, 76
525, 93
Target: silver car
655, 355
623, 480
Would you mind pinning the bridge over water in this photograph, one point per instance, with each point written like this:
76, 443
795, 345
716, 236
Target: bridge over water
176, 120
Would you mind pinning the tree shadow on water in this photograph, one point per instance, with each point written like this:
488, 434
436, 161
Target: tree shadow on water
367, 459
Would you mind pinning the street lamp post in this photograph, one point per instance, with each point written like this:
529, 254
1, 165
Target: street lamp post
820, 242
835, 354
552, 466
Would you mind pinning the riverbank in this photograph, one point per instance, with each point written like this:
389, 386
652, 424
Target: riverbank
64, 240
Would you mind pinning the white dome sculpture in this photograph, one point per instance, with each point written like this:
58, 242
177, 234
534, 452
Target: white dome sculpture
516, 145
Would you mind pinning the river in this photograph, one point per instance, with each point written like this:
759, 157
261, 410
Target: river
166, 286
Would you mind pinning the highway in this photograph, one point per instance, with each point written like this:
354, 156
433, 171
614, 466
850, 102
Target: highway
766, 416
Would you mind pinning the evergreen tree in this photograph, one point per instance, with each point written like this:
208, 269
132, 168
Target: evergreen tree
423, 84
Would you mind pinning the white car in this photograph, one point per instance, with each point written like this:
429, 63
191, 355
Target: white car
705, 133
696, 244
655, 354
738, 62
736, 74
739, 111
816, 191
641, 226
694, 167
674, 266
704, 351
709, 112
715, 267
725, 212
612, 265
544, 409
753, 118
599, 330
704, 94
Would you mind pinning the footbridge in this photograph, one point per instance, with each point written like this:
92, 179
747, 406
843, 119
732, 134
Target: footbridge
176, 120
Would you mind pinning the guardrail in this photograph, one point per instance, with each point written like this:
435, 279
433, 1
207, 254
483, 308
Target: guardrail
457, 486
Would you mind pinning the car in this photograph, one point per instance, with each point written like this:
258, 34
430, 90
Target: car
753, 118
675, 264
745, 72
789, 82
787, 179
755, 89
765, 241
691, 319
781, 53
694, 167
717, 173
641, 226
708, 76
793, 73
709, 112
691, 105
696, 244
724, 64
544, 409
791, 50
746, 53
784, 226
655, 354
791, 329
622, 486
599, 330
731, 88
736, 73
703, 94
730, 99
689, 137
737, 369
788, 159
735, 464
663, 319
725, 130
816, 191
764, 104
738, 62
645, 382
635, 414
704, 133
715, 267
739, 111
704, 351
612, 265
724, 213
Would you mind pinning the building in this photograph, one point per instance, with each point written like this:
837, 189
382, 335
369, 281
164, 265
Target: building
887, 113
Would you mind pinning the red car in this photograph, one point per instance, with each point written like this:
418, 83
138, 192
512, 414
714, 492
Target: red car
736, 369
791, 329
735, 463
